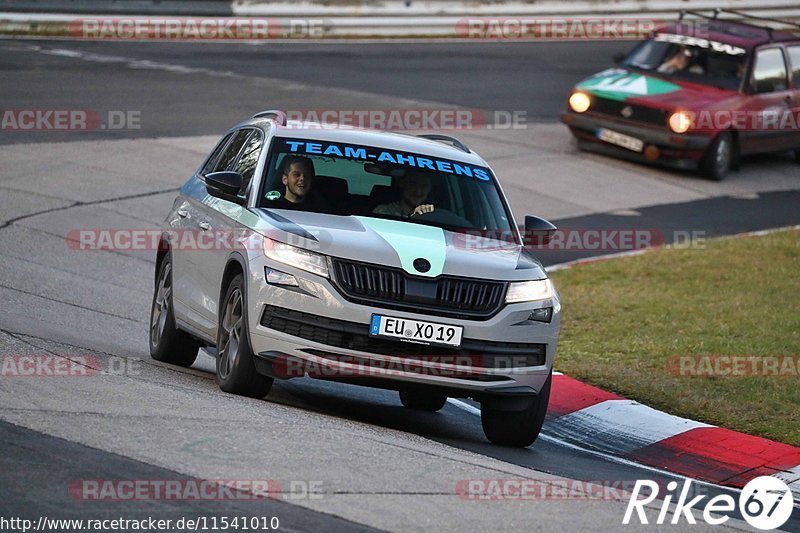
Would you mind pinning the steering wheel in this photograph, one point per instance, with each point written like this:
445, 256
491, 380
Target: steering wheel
444, 216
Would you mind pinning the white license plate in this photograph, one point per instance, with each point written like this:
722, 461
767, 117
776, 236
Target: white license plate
620, 139
415, 330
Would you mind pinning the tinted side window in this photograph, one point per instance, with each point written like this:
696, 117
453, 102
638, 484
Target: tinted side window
233, 149
215, 155
246, 164
770, 71
794, 57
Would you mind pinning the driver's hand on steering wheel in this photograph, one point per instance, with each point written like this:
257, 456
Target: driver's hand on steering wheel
422, 209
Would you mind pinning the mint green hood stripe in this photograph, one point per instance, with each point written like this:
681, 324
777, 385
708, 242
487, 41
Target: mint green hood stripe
411, 241
238, 213
620, 85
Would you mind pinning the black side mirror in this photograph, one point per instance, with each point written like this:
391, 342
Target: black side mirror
538, 231
225, 185
618, 58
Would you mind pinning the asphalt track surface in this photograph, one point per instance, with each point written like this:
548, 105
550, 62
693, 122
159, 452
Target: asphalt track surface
495, 76
57, 304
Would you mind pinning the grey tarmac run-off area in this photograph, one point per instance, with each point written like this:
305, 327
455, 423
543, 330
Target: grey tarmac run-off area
379, 465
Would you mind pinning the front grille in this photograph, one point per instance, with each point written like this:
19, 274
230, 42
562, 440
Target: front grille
394, 289
368, 281
638, 113
355, 336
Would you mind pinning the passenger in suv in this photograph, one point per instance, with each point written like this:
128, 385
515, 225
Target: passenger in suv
297, 178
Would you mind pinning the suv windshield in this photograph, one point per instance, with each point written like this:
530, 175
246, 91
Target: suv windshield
346, 179
692, 59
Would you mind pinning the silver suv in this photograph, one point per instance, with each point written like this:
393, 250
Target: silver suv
380, 259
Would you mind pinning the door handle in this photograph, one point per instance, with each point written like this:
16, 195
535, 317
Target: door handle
204, 225
183, 213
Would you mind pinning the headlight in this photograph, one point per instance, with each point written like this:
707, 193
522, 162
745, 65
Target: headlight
579, 102
529, 291
296, 257
680, 121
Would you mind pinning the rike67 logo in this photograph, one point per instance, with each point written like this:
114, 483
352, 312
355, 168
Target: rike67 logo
765, 503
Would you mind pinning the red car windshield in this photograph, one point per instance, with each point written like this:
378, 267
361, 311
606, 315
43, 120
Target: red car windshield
692, 59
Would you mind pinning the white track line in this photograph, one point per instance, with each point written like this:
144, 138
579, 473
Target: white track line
608, 457
621, 426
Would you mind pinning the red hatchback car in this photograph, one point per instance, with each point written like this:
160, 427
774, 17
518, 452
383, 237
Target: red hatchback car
698, 95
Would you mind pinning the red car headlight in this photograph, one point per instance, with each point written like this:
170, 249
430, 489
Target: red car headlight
680, 121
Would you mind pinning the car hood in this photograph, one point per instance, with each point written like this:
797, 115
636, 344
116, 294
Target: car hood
653, 91
398, 244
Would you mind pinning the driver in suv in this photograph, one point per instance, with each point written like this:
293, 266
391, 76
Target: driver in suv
415, 187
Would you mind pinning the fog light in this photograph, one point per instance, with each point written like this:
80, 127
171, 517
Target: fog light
543, 314
651, 152
276, 277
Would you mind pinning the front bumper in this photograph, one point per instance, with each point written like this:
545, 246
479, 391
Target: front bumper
332, 344
683, 151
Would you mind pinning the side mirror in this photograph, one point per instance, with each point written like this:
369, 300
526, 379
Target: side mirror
538, 231
225, 185
618, 58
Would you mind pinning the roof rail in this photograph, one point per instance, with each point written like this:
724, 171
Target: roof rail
700, 14
740, 14
276, 114
754, 17
446, 138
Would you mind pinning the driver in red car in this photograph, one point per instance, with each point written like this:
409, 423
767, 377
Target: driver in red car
680, 61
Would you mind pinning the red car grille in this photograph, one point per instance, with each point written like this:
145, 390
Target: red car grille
623, 110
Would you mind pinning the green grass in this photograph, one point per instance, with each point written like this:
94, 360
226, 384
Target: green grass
624, 319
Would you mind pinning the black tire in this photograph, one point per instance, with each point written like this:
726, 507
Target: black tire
168, 344
719, 158
517, 428
797, 156
422, 400
236, 372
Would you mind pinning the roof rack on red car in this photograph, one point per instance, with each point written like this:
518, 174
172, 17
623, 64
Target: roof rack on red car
276, 114
715, 17
684, 12
755, 17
